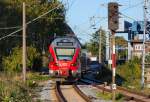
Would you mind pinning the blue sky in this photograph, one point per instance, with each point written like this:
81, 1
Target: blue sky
82, 14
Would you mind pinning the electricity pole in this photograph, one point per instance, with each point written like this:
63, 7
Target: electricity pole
24, 43
144, 33
100, 45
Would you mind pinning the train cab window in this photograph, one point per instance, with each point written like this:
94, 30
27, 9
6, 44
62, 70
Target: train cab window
65, 53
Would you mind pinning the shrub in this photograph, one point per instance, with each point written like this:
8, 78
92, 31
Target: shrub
130, 71
13, 62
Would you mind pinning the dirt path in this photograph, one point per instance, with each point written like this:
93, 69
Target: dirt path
47, 92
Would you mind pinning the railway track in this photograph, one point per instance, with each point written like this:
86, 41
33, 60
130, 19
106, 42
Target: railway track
59, 93
70, 93
129, 95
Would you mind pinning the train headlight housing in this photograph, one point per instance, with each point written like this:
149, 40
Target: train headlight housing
51, 71
74, 73
56, 64
74, 64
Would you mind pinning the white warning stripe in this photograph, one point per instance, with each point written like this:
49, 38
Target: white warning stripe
114, 71
113, 49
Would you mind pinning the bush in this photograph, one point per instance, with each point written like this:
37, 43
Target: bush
147, 58
130, 71
13, 62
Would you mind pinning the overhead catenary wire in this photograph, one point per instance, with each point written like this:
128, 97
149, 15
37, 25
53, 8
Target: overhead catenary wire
133, 6
31, 21
127, 16
128, 8
6, 28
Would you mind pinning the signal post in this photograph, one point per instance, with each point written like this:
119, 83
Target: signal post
113, 58
113, 25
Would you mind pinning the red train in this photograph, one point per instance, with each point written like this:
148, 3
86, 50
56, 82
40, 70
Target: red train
65, 57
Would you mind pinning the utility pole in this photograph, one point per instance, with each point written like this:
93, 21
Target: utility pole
100, 45
143, 54
24, 43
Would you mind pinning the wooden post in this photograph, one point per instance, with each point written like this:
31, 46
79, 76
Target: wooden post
24, 44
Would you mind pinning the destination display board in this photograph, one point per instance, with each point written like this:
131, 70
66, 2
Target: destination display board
64, 43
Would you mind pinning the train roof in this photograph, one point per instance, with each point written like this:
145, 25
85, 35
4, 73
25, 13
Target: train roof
68, 40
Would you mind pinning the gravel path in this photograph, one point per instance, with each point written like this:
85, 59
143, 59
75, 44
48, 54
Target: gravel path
47, 93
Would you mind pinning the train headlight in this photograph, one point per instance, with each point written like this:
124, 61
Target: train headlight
74, 73
51, 71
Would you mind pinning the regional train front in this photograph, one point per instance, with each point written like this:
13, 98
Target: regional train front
65, 57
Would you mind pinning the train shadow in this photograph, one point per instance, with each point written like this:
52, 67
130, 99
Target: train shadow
82, 81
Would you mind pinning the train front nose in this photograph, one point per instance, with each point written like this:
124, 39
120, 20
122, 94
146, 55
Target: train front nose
59, 73
61, 69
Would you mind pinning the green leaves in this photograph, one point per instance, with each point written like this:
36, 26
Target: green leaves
39, 32
13, 63
93, 45
130, 71
120, 41
147, 58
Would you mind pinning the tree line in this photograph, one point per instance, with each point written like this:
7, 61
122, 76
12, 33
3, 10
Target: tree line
39, 33
93, 45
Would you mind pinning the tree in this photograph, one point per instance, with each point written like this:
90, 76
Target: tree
120, 41
121, 45
93, 45
39, 32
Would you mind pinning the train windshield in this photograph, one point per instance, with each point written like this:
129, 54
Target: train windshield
65, 53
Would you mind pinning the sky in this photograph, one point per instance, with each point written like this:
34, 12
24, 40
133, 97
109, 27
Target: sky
87, 16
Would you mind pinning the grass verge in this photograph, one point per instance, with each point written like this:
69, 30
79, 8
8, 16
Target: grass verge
108, 96
12, 88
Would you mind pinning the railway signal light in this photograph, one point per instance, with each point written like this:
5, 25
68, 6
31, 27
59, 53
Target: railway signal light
113, 16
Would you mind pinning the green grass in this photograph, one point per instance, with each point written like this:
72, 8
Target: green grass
12, 88
13, 91
34, 78
108, 96
37, 77
105, 96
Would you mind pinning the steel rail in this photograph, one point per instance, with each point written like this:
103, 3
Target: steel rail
85, 97
128, 97
59, 94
